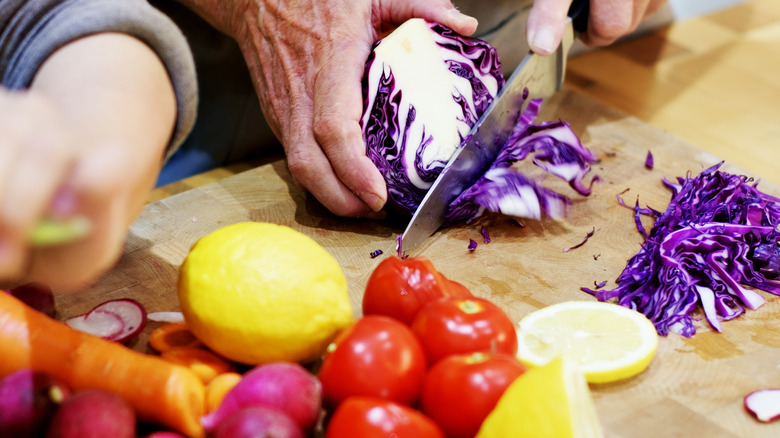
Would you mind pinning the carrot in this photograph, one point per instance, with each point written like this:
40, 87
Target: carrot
204, 363
174, 334
161, 392
218, 387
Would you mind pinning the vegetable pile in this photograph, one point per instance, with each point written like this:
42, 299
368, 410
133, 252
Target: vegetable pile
427, 358
424, 87
718, 233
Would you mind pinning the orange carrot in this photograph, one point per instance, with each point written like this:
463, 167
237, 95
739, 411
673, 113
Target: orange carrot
161, 392
218, 387
204, 363
174, 334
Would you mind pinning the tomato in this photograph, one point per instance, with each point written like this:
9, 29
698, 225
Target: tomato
376, 356
459, 391
372, 417
464, 325
399, 288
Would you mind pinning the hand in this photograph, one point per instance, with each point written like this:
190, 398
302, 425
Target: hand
608, 20
46, 174
307, 59
86, 139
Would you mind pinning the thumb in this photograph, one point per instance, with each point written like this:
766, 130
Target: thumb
440, 11
545, 25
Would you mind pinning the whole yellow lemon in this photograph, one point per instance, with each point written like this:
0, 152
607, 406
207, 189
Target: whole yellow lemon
258, 292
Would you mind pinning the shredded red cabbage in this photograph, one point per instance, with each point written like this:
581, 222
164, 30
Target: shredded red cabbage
718, 234
485, 235
504, 189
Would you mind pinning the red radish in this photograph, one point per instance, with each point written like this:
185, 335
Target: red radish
93, 413
764, 404
285, 386
165, 434
258, 421
28, 399
36, 295
116, 320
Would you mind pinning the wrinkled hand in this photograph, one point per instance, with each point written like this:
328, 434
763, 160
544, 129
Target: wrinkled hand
608, 20
307, 59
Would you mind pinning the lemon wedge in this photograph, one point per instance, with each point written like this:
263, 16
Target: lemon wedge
552, 401
608, 342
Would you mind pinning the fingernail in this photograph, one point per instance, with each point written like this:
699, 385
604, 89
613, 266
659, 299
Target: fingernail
542, 41
373, 201
64, 203
466, 19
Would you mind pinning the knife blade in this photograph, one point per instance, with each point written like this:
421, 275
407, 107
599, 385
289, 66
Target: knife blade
540, 77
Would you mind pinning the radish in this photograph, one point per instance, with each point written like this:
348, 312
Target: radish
28, 399
93, 413
36, 295
258, 421
116, 320
285, 386
764, 404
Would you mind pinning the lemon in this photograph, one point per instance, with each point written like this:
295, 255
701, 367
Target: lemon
552, 401
258, 292
608, 342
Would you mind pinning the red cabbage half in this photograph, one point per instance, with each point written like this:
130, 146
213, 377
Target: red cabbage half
718, 234
424, 87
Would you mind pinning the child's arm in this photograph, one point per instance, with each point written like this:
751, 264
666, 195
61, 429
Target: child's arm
88, 138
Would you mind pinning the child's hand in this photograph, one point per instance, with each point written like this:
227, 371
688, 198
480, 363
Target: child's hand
38, 153
86, 140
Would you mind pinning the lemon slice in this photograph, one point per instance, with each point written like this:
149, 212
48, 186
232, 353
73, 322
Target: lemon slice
608, 342
550, 401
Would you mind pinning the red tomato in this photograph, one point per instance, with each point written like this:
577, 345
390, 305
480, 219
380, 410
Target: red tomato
400, 287
376, 356
459, 391
372, 417
464, 325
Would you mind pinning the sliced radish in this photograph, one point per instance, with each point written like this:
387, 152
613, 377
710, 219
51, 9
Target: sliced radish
116, 320
764, 404
165, 316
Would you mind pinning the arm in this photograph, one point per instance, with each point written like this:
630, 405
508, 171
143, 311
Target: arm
306, 58
87, 138
608, 20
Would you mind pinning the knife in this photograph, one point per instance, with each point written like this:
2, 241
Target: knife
541, 76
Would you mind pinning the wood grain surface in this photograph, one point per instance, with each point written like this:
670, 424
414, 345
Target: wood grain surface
693, 387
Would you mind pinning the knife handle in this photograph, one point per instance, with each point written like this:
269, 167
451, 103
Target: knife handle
578, 12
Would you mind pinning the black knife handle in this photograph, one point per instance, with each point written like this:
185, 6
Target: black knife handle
578, 12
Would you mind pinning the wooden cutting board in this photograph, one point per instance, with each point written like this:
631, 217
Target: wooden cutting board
693, 387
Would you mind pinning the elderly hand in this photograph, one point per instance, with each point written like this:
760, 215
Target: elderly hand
608, 20
307, 59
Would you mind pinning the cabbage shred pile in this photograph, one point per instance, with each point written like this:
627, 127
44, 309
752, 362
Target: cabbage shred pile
718, 235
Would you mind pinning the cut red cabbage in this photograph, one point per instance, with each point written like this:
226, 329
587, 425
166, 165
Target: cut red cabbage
718, 235
424, 87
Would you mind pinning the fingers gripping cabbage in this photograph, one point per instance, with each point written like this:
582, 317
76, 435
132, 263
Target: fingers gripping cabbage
424, 87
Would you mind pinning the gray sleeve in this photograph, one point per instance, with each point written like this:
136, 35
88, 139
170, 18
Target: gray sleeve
30, 31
